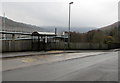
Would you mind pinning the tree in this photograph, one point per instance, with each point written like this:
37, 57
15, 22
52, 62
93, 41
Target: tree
75, 37
98, 37
109, 40
114, 34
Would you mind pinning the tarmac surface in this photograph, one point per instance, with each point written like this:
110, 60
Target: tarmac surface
54, 56
100, 67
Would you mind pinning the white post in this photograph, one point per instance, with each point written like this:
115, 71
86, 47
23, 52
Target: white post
45, 39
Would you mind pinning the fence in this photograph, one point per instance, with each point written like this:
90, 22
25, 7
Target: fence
27, 45
16, 45
78, 46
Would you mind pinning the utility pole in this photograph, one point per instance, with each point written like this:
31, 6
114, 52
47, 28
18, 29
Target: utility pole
55, 37
3, 28
69, 25
3, 20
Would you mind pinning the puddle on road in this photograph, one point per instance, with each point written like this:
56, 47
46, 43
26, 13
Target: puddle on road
55, 57
27, 60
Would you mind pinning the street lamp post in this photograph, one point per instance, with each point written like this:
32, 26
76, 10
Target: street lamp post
69, 25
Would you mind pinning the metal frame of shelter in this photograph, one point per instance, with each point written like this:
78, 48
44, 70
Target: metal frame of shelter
13, 34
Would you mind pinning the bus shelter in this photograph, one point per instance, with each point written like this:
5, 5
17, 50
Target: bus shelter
42, 40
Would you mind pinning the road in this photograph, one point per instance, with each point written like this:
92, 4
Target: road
94, 68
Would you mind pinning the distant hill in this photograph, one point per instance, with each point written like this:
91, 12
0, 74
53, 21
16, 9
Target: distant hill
79, 34
73, 29
108, 35
11, 25
110, 27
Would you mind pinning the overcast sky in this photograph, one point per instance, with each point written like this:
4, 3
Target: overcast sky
84, 13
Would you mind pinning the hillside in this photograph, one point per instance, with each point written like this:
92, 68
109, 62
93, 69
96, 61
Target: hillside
11, 25
110, 27
108, 34
73, 29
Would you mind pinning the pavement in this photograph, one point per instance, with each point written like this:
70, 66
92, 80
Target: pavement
28, 53
100, 67
34, 53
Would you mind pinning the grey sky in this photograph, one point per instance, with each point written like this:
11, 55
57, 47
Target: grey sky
84, 13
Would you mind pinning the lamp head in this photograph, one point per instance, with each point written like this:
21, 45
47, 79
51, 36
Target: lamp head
71, 3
